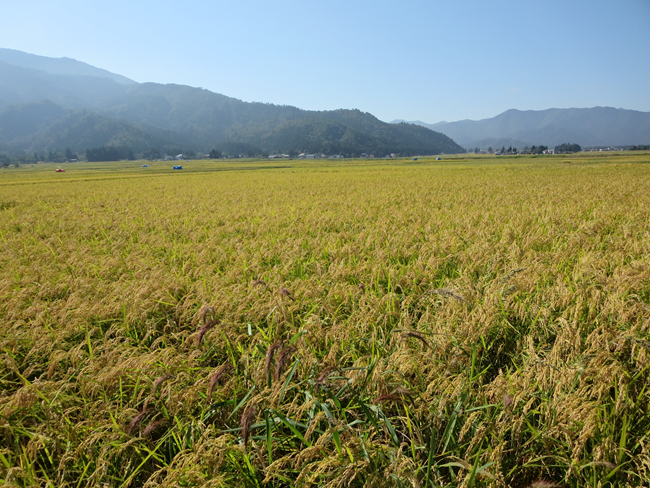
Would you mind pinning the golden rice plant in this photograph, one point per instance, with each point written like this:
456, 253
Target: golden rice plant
455, 323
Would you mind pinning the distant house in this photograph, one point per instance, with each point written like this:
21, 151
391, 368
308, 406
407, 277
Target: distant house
179, 157
169, 158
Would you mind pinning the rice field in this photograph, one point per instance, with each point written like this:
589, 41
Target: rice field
470, 322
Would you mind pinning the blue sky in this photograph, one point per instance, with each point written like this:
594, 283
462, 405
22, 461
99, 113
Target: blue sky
409, 59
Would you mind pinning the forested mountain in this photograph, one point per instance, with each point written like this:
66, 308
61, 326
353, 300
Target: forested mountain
598, 126
43, 126
25, 120
200, 114
62, 103
211, 119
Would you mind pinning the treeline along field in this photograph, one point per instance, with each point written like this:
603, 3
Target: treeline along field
431, 323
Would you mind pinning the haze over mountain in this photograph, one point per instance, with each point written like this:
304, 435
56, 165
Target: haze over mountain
598, 126
51, 104
58, 66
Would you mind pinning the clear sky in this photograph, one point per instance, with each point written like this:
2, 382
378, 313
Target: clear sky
409, 59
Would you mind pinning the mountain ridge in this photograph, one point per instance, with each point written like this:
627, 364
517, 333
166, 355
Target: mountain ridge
60, 66
596, 126
190, 117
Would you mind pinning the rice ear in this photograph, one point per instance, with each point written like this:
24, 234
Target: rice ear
205, 312
416, 335
402, 392
286, 293
159, 381
153, 426
219, 373
136, 420
448, 293
246, 420
507, 401
269, 356
385, 398
325, 374
397, 395
283, 359
204, 329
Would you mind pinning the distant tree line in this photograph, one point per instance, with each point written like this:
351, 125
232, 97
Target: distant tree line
234, 149
109, 153
347, 143
538, 149
17, 160
567, 148
6, 161
640, 148
69, 155
152, 154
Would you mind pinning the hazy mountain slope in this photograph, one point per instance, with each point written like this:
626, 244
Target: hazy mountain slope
44, 126
84, 130
318, 135
415, 134
23, 121
212, 118
598, 126
201, 118
394, 135
58, 66
24, 85
200, 114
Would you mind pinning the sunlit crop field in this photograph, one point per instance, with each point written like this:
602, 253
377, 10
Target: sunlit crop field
464, 322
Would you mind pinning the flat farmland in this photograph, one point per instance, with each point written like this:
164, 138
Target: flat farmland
465, 322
